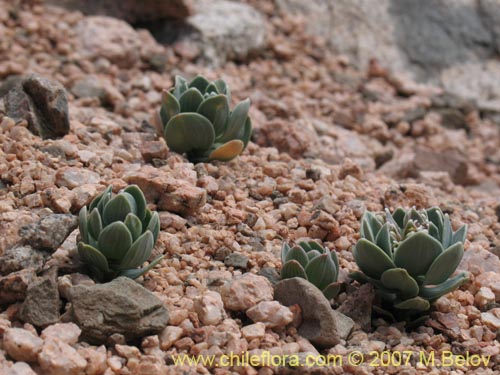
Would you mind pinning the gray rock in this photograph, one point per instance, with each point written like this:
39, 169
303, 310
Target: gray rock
221, 30
42, 103
89, 87
21, 257
222, 253
121, 306
237, 261
14, 286
50, 232
446, 42
358, 306
132, 11
270, 273
42, 304
409, 165
321, 325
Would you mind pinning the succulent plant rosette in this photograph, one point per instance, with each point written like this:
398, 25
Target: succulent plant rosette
118, 234
409, 256
313, 262
197, 120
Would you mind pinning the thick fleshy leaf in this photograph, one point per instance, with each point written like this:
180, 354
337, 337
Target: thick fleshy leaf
236, 124
398, 279
398, 215
321, 271
247, 132
383, 239
366, 229
332, 290
139, 198
216, 109
371, 259
416, 253
435, 216
134, 274
333, 255
284, 251
83, 224
212, 89
298, 254
432, 293
169, 107
311, 254
200, 83
305, 245
180, 87
189, 131
95, 223
97, 199
118, 208
227, 151
223, 88
104, 201
134, 225
93, 257
416, 303
292, 269
190, 100
114, 241
139, 252
460, 235
447, 232
444, 265
434, 232
154, 226
313, 245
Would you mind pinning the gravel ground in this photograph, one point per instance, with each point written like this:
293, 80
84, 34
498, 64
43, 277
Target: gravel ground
329, 142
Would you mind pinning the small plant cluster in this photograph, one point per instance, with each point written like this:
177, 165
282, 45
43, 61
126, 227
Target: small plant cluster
197, 120
118, 234
313, 262
409, 256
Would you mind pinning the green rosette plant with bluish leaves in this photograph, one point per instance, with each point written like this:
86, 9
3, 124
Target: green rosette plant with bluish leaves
118, 234
311, 261
197, 120
409, 257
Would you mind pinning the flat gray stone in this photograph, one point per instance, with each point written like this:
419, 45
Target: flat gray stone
321, 325
42, 304
121, 306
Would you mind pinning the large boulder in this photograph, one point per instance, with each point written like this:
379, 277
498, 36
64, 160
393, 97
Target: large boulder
130, 10
121, 307
113, 39
219, 30
452, 43
42, 103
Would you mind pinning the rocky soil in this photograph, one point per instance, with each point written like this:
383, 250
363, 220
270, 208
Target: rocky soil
330, 141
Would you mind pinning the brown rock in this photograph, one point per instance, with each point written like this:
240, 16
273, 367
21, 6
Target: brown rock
22, 345
107, 37
72, 177
13, 287
243, 292
271, 313
358, 306
42, 103
58, 358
